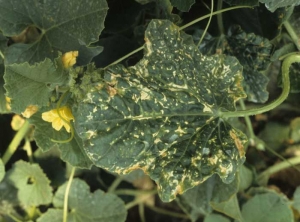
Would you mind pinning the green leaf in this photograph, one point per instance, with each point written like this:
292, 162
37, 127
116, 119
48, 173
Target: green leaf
162, 115
216, 218
90, 207
33, 85
71, 152
296, 199
268, 207
33, 186
3, 103
242, 2
183, 6
8, 197
230, 208
272, 5
2, 170
245, 178
196, 201
63, 26
52, 215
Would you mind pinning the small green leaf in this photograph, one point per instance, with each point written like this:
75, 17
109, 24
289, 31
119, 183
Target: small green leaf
230, 208
32, 85
71, 152
2, 170
90, 207
267, 207
183, 6
63, 26
296, 199
216, 218
196, 201
162, 115
33, 186
52, 215
272, 5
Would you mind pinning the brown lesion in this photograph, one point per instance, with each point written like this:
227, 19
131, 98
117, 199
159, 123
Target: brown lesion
238, 143
111, 90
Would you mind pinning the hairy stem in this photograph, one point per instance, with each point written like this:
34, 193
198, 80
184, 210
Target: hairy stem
292, 33
20, 135
220, 18
288, 61
65, 215
264, 176
115, 184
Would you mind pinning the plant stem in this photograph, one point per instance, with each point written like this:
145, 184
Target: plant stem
142, 212
292, 33
182, 27
115, 184
278, 167
65, 215
15, 142
220, 18
166, 212
248, 123
208, 23
134, 192
288, 61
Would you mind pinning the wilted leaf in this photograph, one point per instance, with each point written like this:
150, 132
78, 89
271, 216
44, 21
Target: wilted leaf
32, 85
33, 185
90, 207
267, 207
54, 26
163, 114
272, 5
196, 201
183, 6
71, 152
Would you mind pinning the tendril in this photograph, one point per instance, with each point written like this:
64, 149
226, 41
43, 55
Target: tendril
64, 120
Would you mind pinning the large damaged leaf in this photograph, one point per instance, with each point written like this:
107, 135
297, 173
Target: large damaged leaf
164, 115
253, 53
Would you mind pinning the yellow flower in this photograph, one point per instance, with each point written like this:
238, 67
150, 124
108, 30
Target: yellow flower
69, 58
57, 123
8, 102
29, 111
